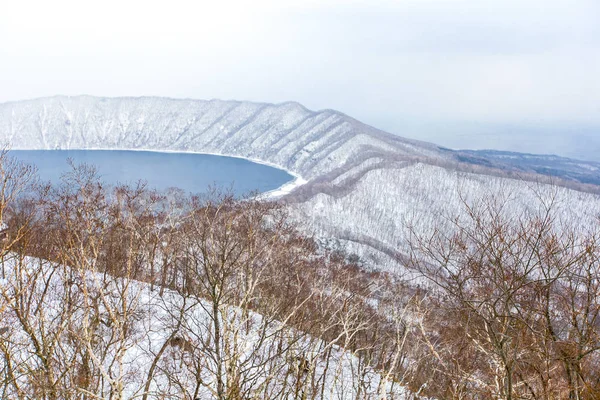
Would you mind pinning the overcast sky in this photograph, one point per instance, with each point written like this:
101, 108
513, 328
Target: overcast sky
511, 74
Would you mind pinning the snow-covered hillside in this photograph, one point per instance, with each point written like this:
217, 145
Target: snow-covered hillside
143, 343
371, 217
288, 135
362, 183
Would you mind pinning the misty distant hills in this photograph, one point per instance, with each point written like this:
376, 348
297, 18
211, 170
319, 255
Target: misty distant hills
550, 165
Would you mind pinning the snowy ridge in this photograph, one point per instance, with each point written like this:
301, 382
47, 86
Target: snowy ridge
288, 135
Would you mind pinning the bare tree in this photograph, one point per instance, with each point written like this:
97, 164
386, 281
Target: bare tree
498, 287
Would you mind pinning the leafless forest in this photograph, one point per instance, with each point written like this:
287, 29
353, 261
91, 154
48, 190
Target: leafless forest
122, 292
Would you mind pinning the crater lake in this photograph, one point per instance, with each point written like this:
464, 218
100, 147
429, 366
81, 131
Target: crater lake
191, 172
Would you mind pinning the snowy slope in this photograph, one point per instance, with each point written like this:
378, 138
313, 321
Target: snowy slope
288, 135
370, 218
155, 319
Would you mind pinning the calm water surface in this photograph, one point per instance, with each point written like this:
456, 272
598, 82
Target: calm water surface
193, 173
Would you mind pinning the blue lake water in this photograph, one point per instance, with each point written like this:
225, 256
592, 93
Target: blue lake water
193, 173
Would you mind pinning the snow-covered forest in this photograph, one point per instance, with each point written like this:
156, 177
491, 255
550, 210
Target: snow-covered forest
395, 271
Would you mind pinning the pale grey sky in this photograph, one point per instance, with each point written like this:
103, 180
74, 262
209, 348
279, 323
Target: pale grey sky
512, 74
